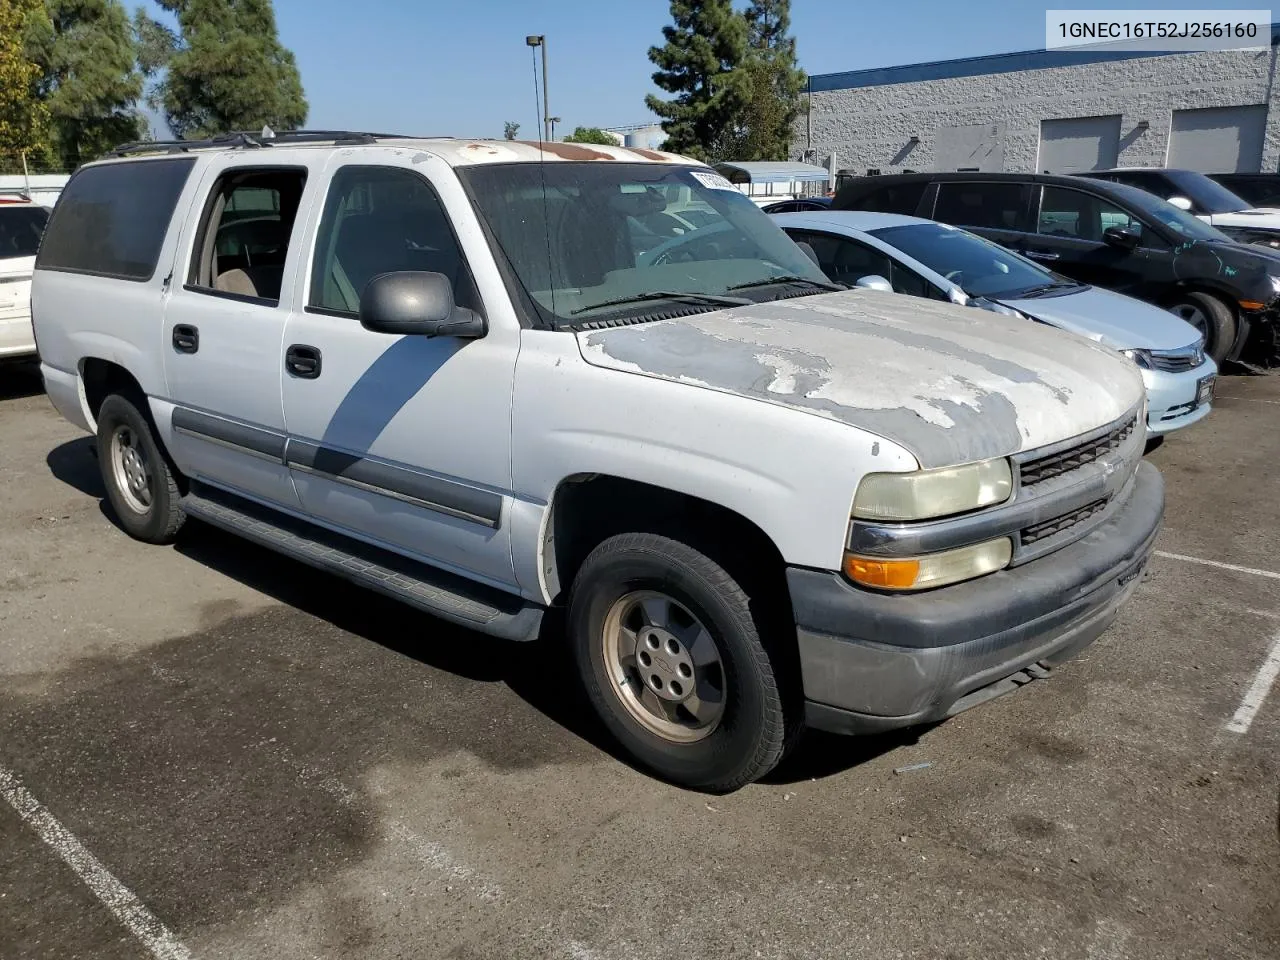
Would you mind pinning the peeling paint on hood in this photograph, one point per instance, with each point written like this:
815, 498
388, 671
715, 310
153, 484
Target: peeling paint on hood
949, 383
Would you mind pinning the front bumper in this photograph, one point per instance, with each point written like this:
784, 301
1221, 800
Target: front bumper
873, 662
1171, 398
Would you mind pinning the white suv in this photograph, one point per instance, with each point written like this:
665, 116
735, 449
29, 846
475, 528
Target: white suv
493, 378
21, 224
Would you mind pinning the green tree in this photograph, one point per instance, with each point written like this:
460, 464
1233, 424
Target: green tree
775, 82
24, 116
591, 135
89, 77
224, 69
510, 129
701, 63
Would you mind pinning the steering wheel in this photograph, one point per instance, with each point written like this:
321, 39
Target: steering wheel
954, 276
666, 252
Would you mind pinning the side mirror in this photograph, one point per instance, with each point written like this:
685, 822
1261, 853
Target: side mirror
1182, 203
874, 282
1120, 237
416, 303
956, 295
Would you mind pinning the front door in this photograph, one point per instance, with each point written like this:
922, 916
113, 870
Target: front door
1069, 239
403, 441
225, 318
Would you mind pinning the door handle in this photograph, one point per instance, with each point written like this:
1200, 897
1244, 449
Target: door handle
1043, 255
186, 338
302, 361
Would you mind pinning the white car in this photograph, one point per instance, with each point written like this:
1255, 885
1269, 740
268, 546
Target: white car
460, 373
929, 259
1205, 198
21, 224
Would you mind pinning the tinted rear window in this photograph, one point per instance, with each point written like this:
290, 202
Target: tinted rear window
995, 205
893, 198
20, 229
111, 220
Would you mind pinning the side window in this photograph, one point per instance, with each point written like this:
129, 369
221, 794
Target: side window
245, 234
996, 205
844, 260
382, 220
911, 283
111, 219
1080, 216
895, 198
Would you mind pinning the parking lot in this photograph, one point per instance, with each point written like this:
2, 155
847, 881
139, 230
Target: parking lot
244, 758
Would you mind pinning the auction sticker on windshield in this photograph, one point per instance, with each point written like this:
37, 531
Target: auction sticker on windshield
712, 181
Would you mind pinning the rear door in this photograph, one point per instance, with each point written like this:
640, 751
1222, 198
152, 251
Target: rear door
999, 210
1070, 224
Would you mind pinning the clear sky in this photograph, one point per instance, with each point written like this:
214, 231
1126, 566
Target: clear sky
461, 67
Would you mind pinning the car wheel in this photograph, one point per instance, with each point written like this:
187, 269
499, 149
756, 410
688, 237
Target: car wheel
673, 661
1214, 320
141, 485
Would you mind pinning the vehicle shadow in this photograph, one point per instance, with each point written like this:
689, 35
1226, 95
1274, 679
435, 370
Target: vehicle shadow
540, 672
20, 379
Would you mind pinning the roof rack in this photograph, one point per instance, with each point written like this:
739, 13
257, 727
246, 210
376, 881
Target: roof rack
249, 140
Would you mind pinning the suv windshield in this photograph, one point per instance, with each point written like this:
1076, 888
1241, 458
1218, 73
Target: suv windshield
1209, 196
977, 266
594, 240
20, 230
1185, 225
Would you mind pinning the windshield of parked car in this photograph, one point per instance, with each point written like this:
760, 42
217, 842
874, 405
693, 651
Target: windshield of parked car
595, 240
1208, 195
20, 231
1185, 225
977, 266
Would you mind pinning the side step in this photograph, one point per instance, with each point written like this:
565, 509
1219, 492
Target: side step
436, 592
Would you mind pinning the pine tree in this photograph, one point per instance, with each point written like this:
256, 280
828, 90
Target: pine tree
776, 83
225, 69
701, 63
23, 116
89, 77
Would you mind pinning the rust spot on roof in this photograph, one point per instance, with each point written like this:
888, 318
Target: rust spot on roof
648, 154
569, 151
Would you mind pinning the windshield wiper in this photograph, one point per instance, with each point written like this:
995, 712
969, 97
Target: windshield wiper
769, 281
1043, 289
665, 295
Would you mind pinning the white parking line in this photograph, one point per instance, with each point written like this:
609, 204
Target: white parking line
1258, 691
1271, 574
115, 896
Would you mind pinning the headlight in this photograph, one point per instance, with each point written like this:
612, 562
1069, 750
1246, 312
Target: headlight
933, 570
1141, 357
924, 494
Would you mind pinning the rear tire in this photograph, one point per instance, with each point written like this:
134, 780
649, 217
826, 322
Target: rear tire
673, 661
141, 485
1213, 318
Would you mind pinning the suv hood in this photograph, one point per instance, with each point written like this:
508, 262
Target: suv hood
949, 383
1110, 318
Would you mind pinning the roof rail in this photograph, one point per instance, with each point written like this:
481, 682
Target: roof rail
22, 192
250, 140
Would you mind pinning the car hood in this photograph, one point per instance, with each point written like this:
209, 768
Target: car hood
1110, 318
949, 383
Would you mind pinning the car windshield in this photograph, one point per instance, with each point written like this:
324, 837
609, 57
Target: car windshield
1208, 195
1185, 225
594, 240
20, 230
977, 266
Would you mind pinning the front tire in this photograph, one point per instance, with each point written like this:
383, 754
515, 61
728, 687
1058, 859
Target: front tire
1214, 320
141, 486
673, 661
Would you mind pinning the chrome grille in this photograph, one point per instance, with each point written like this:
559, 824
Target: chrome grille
1064, 461
1048, 528
1176, 361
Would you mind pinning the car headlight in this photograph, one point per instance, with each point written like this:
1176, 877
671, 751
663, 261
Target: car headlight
931, 570
1141, 357
925, 494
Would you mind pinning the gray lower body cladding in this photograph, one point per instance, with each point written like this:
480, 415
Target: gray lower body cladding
873, 662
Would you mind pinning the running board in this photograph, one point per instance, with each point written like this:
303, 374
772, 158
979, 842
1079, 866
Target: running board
433, 591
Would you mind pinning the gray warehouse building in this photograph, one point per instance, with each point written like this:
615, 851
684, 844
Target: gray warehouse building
1051, 110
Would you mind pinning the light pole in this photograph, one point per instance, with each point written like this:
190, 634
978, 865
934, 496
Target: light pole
554, 121
539, 40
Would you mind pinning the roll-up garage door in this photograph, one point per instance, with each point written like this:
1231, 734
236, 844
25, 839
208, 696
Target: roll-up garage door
1078, 144
1218, 139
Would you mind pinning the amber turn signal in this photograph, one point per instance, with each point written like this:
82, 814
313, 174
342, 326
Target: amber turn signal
885, 574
